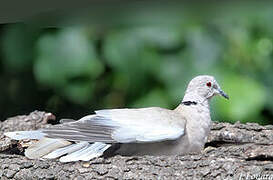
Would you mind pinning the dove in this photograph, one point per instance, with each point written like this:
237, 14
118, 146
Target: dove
139, 131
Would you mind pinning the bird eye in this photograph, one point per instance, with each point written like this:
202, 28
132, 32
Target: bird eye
209, 84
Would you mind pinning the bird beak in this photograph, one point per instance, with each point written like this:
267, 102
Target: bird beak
222, 93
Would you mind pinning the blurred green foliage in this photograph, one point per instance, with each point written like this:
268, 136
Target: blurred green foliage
74, 70
67, 62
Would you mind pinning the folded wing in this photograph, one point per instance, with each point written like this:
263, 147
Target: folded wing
122, 126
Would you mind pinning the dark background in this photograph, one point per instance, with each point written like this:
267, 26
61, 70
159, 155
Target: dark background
74, 58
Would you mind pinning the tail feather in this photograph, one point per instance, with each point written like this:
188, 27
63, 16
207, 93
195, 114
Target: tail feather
91, 151
44, 146
20, 135
96, 150
66, 150
50, 148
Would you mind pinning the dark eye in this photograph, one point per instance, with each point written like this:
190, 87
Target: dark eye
209, 84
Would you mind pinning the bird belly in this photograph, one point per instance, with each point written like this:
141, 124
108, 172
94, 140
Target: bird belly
175, 147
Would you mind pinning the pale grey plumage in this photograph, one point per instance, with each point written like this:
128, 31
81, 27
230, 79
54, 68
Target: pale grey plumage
123, 126
44, 146
19, 135
66, 150
87, 153
153, 131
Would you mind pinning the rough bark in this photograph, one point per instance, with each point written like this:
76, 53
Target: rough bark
233, 151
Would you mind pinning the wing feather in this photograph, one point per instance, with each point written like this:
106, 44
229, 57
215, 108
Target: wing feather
123, 126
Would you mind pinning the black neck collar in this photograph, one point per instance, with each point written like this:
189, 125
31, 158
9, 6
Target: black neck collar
188, 103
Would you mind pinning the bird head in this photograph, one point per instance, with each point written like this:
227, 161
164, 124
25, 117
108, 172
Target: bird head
203, 87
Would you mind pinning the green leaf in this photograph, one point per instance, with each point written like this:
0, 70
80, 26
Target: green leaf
247, 99
79, 93
18, 45
68, 63
156, 98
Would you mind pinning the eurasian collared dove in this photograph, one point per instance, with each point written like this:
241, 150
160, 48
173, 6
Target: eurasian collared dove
144, 131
